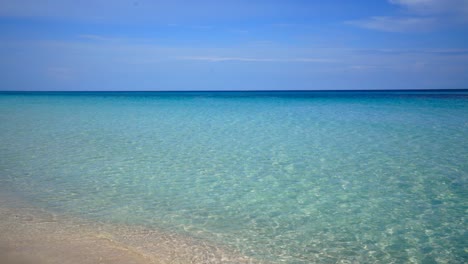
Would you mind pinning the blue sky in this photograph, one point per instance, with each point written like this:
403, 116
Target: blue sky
233, 44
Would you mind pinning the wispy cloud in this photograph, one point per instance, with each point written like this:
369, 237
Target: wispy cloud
361, 67
434, 7
221, 59
95, 37
135, 12
201, 27
248, 59
395, 24
421, 15
392, 52
110, 39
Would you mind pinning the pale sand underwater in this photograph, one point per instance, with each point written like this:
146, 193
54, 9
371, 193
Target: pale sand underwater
31, 235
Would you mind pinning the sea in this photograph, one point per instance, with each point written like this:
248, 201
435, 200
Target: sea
278, 176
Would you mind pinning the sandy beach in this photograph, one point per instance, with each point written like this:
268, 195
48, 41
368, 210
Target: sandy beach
30, 235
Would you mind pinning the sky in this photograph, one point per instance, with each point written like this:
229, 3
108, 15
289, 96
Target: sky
140, 45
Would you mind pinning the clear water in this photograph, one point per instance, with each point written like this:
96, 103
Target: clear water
283, 177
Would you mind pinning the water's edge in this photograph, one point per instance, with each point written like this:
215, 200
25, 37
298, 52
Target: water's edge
36, 235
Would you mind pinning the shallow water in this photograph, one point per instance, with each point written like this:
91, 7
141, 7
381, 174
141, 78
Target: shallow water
282, 177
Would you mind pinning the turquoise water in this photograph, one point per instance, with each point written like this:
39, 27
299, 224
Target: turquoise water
282, 177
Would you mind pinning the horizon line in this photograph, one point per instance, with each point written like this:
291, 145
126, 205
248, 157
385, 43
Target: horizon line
231, 91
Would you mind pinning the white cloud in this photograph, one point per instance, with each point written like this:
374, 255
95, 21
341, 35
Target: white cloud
419, 15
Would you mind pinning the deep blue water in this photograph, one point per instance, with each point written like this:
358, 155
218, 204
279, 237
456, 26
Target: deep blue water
294, 177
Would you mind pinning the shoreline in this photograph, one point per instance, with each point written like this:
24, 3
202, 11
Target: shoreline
33, 235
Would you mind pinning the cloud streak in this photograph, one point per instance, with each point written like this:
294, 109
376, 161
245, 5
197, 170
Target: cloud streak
434, 7
96, 37
392, 52
248, 59
395, 24
421, 15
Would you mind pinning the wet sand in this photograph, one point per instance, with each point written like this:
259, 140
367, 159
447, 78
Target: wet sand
29, 235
